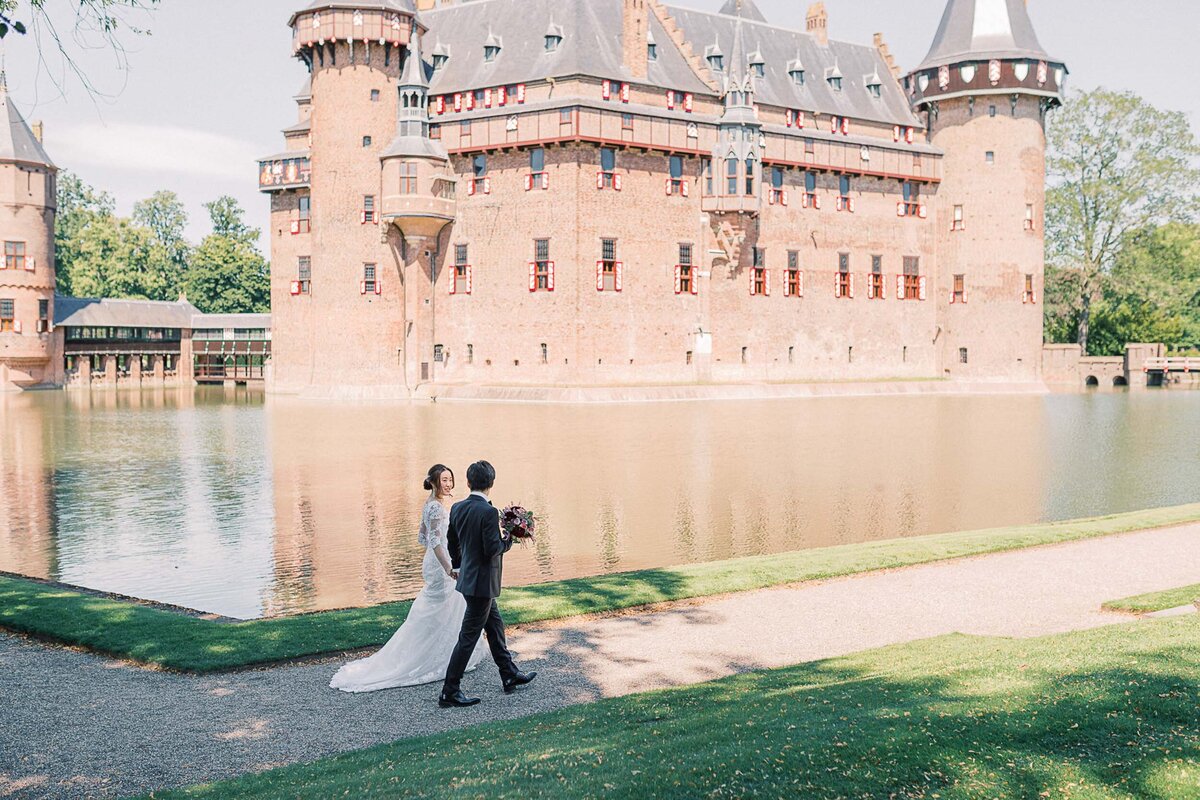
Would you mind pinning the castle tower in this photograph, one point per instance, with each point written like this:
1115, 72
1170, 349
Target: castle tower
985, 90
337, 290
27, 207
419, 200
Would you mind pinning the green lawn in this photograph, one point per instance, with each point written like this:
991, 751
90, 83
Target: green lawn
1109, 713
175, 641
1157, 601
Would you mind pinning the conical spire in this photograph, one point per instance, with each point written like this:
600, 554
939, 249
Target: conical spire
17, 142
979, 30
742, 8
413, 74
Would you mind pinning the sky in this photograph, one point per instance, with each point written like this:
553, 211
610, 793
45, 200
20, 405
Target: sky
192, 105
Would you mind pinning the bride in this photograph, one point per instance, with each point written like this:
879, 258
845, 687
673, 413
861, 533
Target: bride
420, 650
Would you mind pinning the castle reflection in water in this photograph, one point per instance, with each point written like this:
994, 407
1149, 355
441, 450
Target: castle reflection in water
221, 500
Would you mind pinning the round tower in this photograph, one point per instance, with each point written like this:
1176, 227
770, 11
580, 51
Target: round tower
985, 90
347, 326
27, 207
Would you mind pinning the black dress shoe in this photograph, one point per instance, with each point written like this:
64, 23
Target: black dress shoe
456, 700
520, 679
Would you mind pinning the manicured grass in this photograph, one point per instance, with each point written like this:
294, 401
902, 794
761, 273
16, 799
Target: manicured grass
1157, 601
176, 641
1109, 713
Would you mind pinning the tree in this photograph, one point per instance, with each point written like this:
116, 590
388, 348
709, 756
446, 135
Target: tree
1162, 265
78, 206
1128, 318
1116, 164
98, 23
164, 217
227, 274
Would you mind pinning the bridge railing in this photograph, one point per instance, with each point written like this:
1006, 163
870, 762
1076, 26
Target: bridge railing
1179, 364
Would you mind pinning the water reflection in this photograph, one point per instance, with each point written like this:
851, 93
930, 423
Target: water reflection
245, 506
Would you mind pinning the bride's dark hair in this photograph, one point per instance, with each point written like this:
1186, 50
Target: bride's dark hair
433, 479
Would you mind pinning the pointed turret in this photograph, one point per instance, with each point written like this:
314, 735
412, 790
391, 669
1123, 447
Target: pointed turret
17, 142
742, 8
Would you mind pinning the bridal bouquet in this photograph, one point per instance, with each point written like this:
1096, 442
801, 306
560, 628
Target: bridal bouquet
517, 522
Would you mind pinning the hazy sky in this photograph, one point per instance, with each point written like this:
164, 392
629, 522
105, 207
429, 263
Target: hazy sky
208, 92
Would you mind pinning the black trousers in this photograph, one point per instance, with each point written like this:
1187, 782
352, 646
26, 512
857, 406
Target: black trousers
482, 616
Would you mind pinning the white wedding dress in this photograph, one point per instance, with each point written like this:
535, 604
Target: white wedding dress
420, 650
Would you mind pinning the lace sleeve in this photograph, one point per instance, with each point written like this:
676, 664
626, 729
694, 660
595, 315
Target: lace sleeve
437, 522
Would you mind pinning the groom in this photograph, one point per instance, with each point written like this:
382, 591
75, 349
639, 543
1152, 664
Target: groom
477, 547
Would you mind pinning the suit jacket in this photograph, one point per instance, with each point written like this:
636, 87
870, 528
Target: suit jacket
477, 546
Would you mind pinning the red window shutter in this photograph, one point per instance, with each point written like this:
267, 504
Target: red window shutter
441, 104
599, 180
899, 287
617, 182
620, 270
470, 279
487, 185
550, 276
900, 209
520, 93
678, 279
362, 287
833, 124
684, 188
908, 135
599, 276
294, 288
921, 288
882, 288
851, 285
964, 295
671, 99
790, 116
800, 283
922, 212
606, 90
458, 102
837, 284
771, 197
545, 180
454, 280
695, 281
850, 204
532, 276
503, 95
787, 284
487, 98
624, 92
529, 181
470, 101
895, 133
870, 288
668, 186
16, 326
845, 126
784, 197
799, 119
362, 218
378, 286
751, 273
767, 281
817, 202
687, 103
295, 226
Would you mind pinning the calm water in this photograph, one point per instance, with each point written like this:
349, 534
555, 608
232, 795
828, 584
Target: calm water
246, 507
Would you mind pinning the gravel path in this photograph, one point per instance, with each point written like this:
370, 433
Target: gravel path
77, 725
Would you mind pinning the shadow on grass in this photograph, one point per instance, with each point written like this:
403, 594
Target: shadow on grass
1100, 714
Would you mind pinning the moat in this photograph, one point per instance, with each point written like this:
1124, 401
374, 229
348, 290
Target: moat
245, 506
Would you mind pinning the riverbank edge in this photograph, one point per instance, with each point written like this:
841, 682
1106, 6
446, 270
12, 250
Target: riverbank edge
1010, 718
675, 393
158, 638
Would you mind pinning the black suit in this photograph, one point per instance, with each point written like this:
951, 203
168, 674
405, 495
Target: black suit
477, 549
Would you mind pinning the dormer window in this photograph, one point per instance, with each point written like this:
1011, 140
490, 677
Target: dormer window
834, 77
757, 65
552, 42
797, 75
717, 63
490, 52
652, 51
440, 56
875, 89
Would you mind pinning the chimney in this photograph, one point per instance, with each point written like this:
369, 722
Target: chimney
635, 32
37, 130
817, 23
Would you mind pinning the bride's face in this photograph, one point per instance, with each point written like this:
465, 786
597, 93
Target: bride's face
446, 484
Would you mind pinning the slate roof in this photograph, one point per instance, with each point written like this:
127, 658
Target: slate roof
781, 47
742, 8
983, 30
90, 312
17, 142
228, 321
591, 45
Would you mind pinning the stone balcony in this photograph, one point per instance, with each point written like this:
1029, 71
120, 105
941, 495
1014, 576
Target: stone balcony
291, 170
731, 204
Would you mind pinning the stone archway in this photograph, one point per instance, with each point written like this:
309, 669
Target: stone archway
1092, 382
1119, 381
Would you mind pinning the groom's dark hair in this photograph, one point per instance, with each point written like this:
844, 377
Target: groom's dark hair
481, 476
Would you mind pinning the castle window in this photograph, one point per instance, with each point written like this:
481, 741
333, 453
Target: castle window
435, 131
731, 175
652, 51
912, 278
962, 355
991, 111
369, 283
408, 179
958, 224
844, 202
745, 355
911, 206
490, 52
304, 222
464, 129
959, 293
479, 165
545, 353
706, 168
990, 157
439, 61
810, 190
14, 255
7, 313
608, 165
608, 278
716, 62
43, 316
797, 76
553, 40
749, 176
1029, 296
758, 66
537, 160
374, 95
366, 141
875, 288
542, 277
470, 354
845, 281
462, 282
794, 283
304, 274
835, 82
875, 90
564, 116
685, 279
627, 122
1029, 216
368, 209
